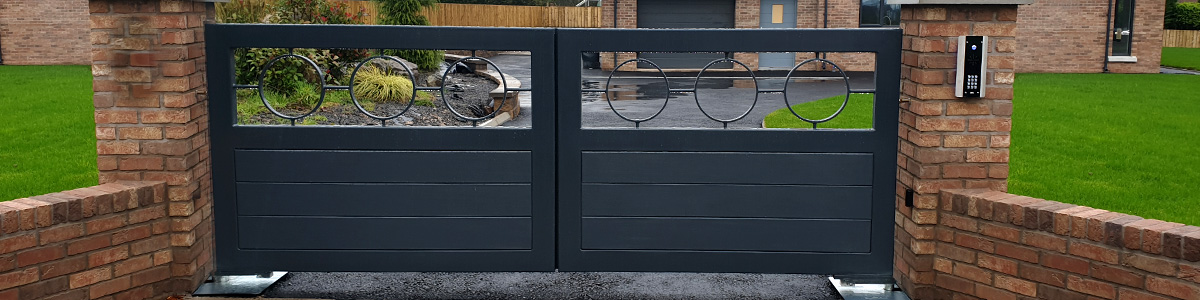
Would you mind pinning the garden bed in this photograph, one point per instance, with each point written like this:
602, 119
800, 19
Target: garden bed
467, 93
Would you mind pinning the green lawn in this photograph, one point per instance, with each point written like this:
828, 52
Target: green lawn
856, 115
1125, 143
1185, 58
1121, 142
47, 132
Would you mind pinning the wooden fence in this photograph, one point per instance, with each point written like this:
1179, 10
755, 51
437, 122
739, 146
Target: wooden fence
1181, 38
449, 14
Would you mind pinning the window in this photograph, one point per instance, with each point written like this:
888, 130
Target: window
879, 13
1122, 36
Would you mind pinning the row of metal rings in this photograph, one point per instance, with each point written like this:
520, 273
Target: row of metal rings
695, 95
412, 77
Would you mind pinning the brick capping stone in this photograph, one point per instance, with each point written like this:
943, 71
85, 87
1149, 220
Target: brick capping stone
995, 245
110, 241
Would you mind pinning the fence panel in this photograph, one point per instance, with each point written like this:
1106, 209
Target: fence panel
448, 14
1181, 38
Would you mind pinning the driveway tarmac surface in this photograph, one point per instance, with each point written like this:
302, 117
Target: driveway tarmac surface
558, 285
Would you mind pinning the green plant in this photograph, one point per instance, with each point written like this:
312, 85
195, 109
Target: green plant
243, 11
408, 12
424, 99
286, 75
377, 85
315, 12
314, 120
1182, 16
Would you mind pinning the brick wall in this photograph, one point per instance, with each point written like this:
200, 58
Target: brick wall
1068, 36
994, 245
946, 142
626, 14
110, 241
810, 14
151, 114
1061, 36
44, 32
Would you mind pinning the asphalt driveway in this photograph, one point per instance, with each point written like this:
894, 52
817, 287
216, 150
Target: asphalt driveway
559, 285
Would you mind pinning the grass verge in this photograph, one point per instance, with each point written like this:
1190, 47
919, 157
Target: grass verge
1183, 58
1120, 142
47, 131
857, 114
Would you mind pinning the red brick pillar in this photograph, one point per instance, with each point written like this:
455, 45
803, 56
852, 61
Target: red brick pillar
948, 142
151, 114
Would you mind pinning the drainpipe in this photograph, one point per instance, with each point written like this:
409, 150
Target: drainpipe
1108, 23
825, 19
615, 4
1, 55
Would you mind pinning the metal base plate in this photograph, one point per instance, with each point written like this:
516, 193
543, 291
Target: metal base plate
850, 291
238, 285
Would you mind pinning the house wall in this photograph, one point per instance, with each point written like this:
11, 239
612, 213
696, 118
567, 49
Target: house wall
1058, 36
1068, 36
810, 14
44, 32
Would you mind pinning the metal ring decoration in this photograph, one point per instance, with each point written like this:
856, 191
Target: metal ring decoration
503, 82
696, 94
412, 78
608, 94
789, 79
263, 97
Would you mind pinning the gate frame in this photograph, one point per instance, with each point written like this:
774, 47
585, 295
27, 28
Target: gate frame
225, 136
886, 43
546, 43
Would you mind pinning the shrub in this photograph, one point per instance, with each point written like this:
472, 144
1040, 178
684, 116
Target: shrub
1183, 16
315, 12
408, 12
375, 84
287, 75
243, 11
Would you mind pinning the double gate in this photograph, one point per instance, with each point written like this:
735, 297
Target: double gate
557, 195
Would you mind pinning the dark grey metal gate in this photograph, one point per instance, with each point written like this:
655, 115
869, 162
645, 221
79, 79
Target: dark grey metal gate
340, 198
724, 200
558, 196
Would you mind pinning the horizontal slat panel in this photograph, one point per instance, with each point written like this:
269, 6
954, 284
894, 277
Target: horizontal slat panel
726, 234
384, 200
731, 262
334, 233
733, 168
382, 138
383, 166
747, 201
732, 140
253, 261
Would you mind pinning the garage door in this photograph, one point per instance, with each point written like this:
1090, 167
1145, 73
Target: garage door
684, 14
